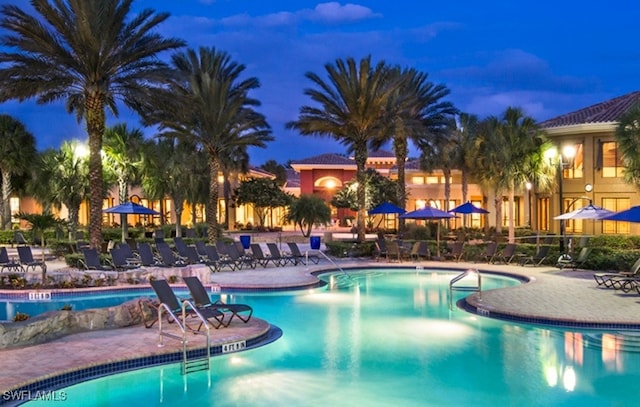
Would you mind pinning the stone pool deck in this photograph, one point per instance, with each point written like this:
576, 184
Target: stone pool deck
552, 295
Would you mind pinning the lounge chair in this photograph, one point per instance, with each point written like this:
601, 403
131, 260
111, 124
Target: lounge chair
456, 252
241, 260
167, 297
489, 253
282, 258
221, 261
506, 255
380, 248
120, 260
92, 261
419, 251
27, 261
202, 300
169, 258
194, 258
620, 280
147, 258
259, 256
181, 247
8, 264
393, 251
537, 259
302, 257
577, 262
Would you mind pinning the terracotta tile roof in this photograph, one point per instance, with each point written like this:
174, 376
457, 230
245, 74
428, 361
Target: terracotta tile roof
259, 171
382, 154
325, 159
604, 112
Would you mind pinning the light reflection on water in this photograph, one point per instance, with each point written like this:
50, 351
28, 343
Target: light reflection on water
391, 340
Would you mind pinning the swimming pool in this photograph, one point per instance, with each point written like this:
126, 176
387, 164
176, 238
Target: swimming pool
390, 340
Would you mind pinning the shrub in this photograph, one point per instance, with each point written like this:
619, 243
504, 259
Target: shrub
20, 317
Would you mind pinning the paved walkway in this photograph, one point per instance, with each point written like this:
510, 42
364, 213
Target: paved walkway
551, 295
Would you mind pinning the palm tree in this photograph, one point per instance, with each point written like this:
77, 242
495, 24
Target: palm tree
420, 115
39, 224
628, 138
464, 137
18, 150
352, 108
231, 165
65, 172
211, 108
308, 210
89, 54
507, 150
123, 150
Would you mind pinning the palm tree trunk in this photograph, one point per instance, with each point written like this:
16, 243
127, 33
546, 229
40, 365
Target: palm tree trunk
512, 215
6, 200
497, 201
361, 160
401, 150
95, 118
73, 221
212, 205
465, 185
447, 192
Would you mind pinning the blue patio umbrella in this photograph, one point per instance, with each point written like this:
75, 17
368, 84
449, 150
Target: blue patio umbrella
429, 212
628, 215
386, 208
129, 208
467, 208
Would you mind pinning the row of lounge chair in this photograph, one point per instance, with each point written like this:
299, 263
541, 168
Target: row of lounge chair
23, 263
216, 313
624, 280
231, 256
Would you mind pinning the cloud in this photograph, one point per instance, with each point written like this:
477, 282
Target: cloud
333, 12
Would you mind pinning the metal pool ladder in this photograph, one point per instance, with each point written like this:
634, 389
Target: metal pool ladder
477, 286
195, 359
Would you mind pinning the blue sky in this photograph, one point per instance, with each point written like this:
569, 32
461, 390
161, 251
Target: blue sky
547, 57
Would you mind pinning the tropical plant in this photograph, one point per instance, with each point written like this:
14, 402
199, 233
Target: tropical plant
308, 210
277, 169
419, 115
89, 53
628, 138
352, 107
209, 105
65, 173
233, 164
378, 189
18, 150
123, 153
263, 194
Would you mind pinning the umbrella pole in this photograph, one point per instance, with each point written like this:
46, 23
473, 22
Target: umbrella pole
438, 239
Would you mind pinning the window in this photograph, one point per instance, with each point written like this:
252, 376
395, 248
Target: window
616, 205
417, 180
542, 211
572, 225
14, 204
433, 180
574, 168
611, 161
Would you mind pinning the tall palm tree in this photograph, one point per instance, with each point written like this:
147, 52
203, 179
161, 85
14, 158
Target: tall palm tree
419, 115
507, 149
90, 54
66, 174
352, 108
17, 152
628, 138
464, 137
231, 165
210, 106
123, 149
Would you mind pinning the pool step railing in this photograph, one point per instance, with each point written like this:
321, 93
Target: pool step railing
456, 283
192, 360
347, 276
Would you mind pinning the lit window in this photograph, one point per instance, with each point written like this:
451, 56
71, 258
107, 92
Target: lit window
612, 165
433, 180
417, 180
574, 168
616, 205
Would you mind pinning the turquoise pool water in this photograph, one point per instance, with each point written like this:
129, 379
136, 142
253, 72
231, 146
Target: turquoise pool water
390, 340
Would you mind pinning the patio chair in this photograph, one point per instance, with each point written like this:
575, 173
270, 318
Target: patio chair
456, 252
19, 239
420, 251
577, 262
302, 257
168, 257
92, 261
240, 259
489, 253
506, 255
537, 259
619, 280
181, 247
200, 247
194, 258
393, 251
120, 260
167, 297
283, 258
8, 264
380, 249
202, 300
26, 259
259, 256
147, 257
220, 261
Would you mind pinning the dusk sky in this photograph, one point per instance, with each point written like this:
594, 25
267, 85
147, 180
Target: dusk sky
547, 57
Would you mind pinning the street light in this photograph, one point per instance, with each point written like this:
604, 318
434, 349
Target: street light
568, 153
